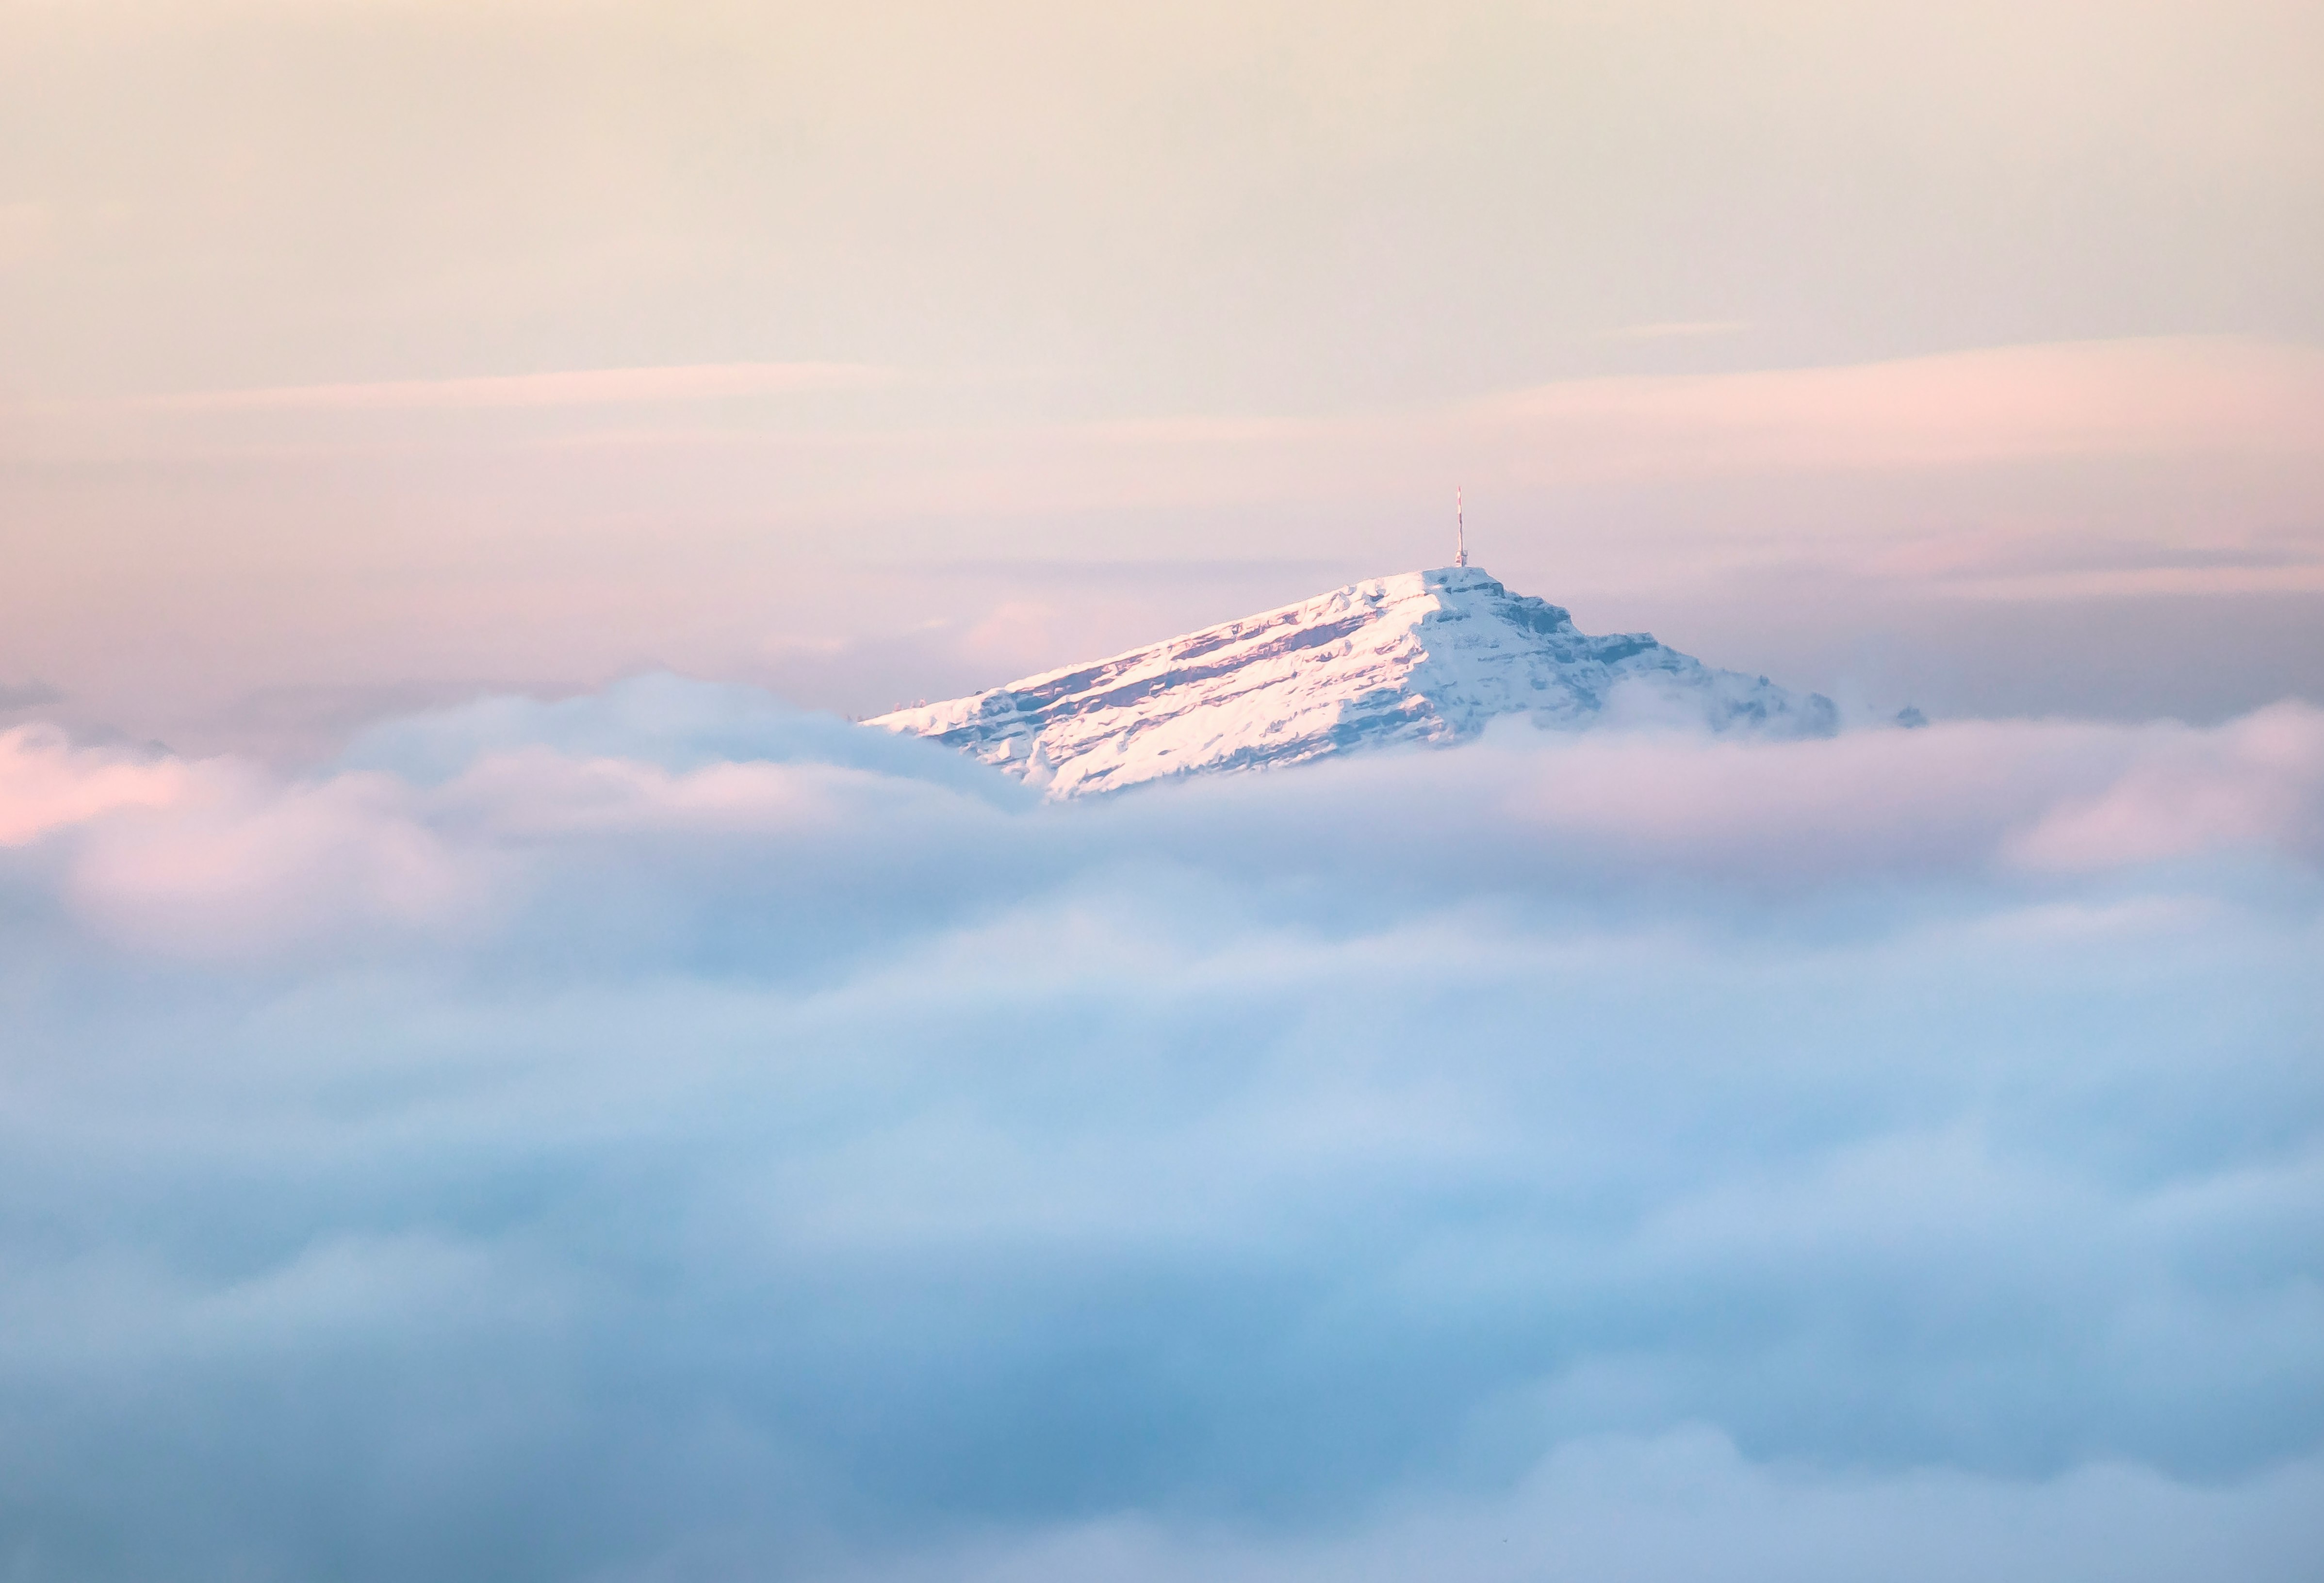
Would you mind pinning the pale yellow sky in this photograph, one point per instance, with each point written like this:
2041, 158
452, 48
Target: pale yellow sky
363, 351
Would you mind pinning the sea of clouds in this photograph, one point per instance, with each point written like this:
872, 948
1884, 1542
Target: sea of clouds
664, 1135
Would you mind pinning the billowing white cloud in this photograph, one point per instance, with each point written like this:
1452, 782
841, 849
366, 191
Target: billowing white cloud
662, 1133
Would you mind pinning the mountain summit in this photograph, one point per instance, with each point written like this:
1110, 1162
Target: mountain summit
1422, 656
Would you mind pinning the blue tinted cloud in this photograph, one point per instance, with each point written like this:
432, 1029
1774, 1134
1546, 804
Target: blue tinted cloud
706, 1154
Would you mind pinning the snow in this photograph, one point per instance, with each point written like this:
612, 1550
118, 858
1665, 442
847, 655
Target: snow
1423, 657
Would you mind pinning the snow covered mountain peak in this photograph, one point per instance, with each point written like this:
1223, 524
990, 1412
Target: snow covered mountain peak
1422, 657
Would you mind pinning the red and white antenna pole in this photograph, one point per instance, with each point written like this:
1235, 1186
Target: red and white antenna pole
1460, 531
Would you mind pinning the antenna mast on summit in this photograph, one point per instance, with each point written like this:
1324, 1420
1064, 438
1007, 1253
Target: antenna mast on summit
1460, 531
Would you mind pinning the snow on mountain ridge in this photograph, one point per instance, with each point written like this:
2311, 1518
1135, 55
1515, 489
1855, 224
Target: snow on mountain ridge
1422, 657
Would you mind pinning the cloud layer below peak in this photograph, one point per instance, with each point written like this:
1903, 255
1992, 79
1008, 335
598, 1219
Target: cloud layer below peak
661, 1134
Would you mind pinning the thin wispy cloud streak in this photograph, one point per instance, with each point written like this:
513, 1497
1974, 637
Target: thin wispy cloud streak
571, 388
1678, 330
662, 1133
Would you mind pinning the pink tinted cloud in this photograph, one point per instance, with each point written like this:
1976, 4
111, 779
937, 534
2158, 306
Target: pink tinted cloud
2257, 782
2044, 795
237, 865
1861, 804
215, 859
47, 784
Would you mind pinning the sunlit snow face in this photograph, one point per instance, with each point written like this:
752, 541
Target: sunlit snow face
664, 1135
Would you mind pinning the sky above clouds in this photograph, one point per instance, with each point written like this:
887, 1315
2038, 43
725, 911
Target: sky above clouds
500, 1080
353, 357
